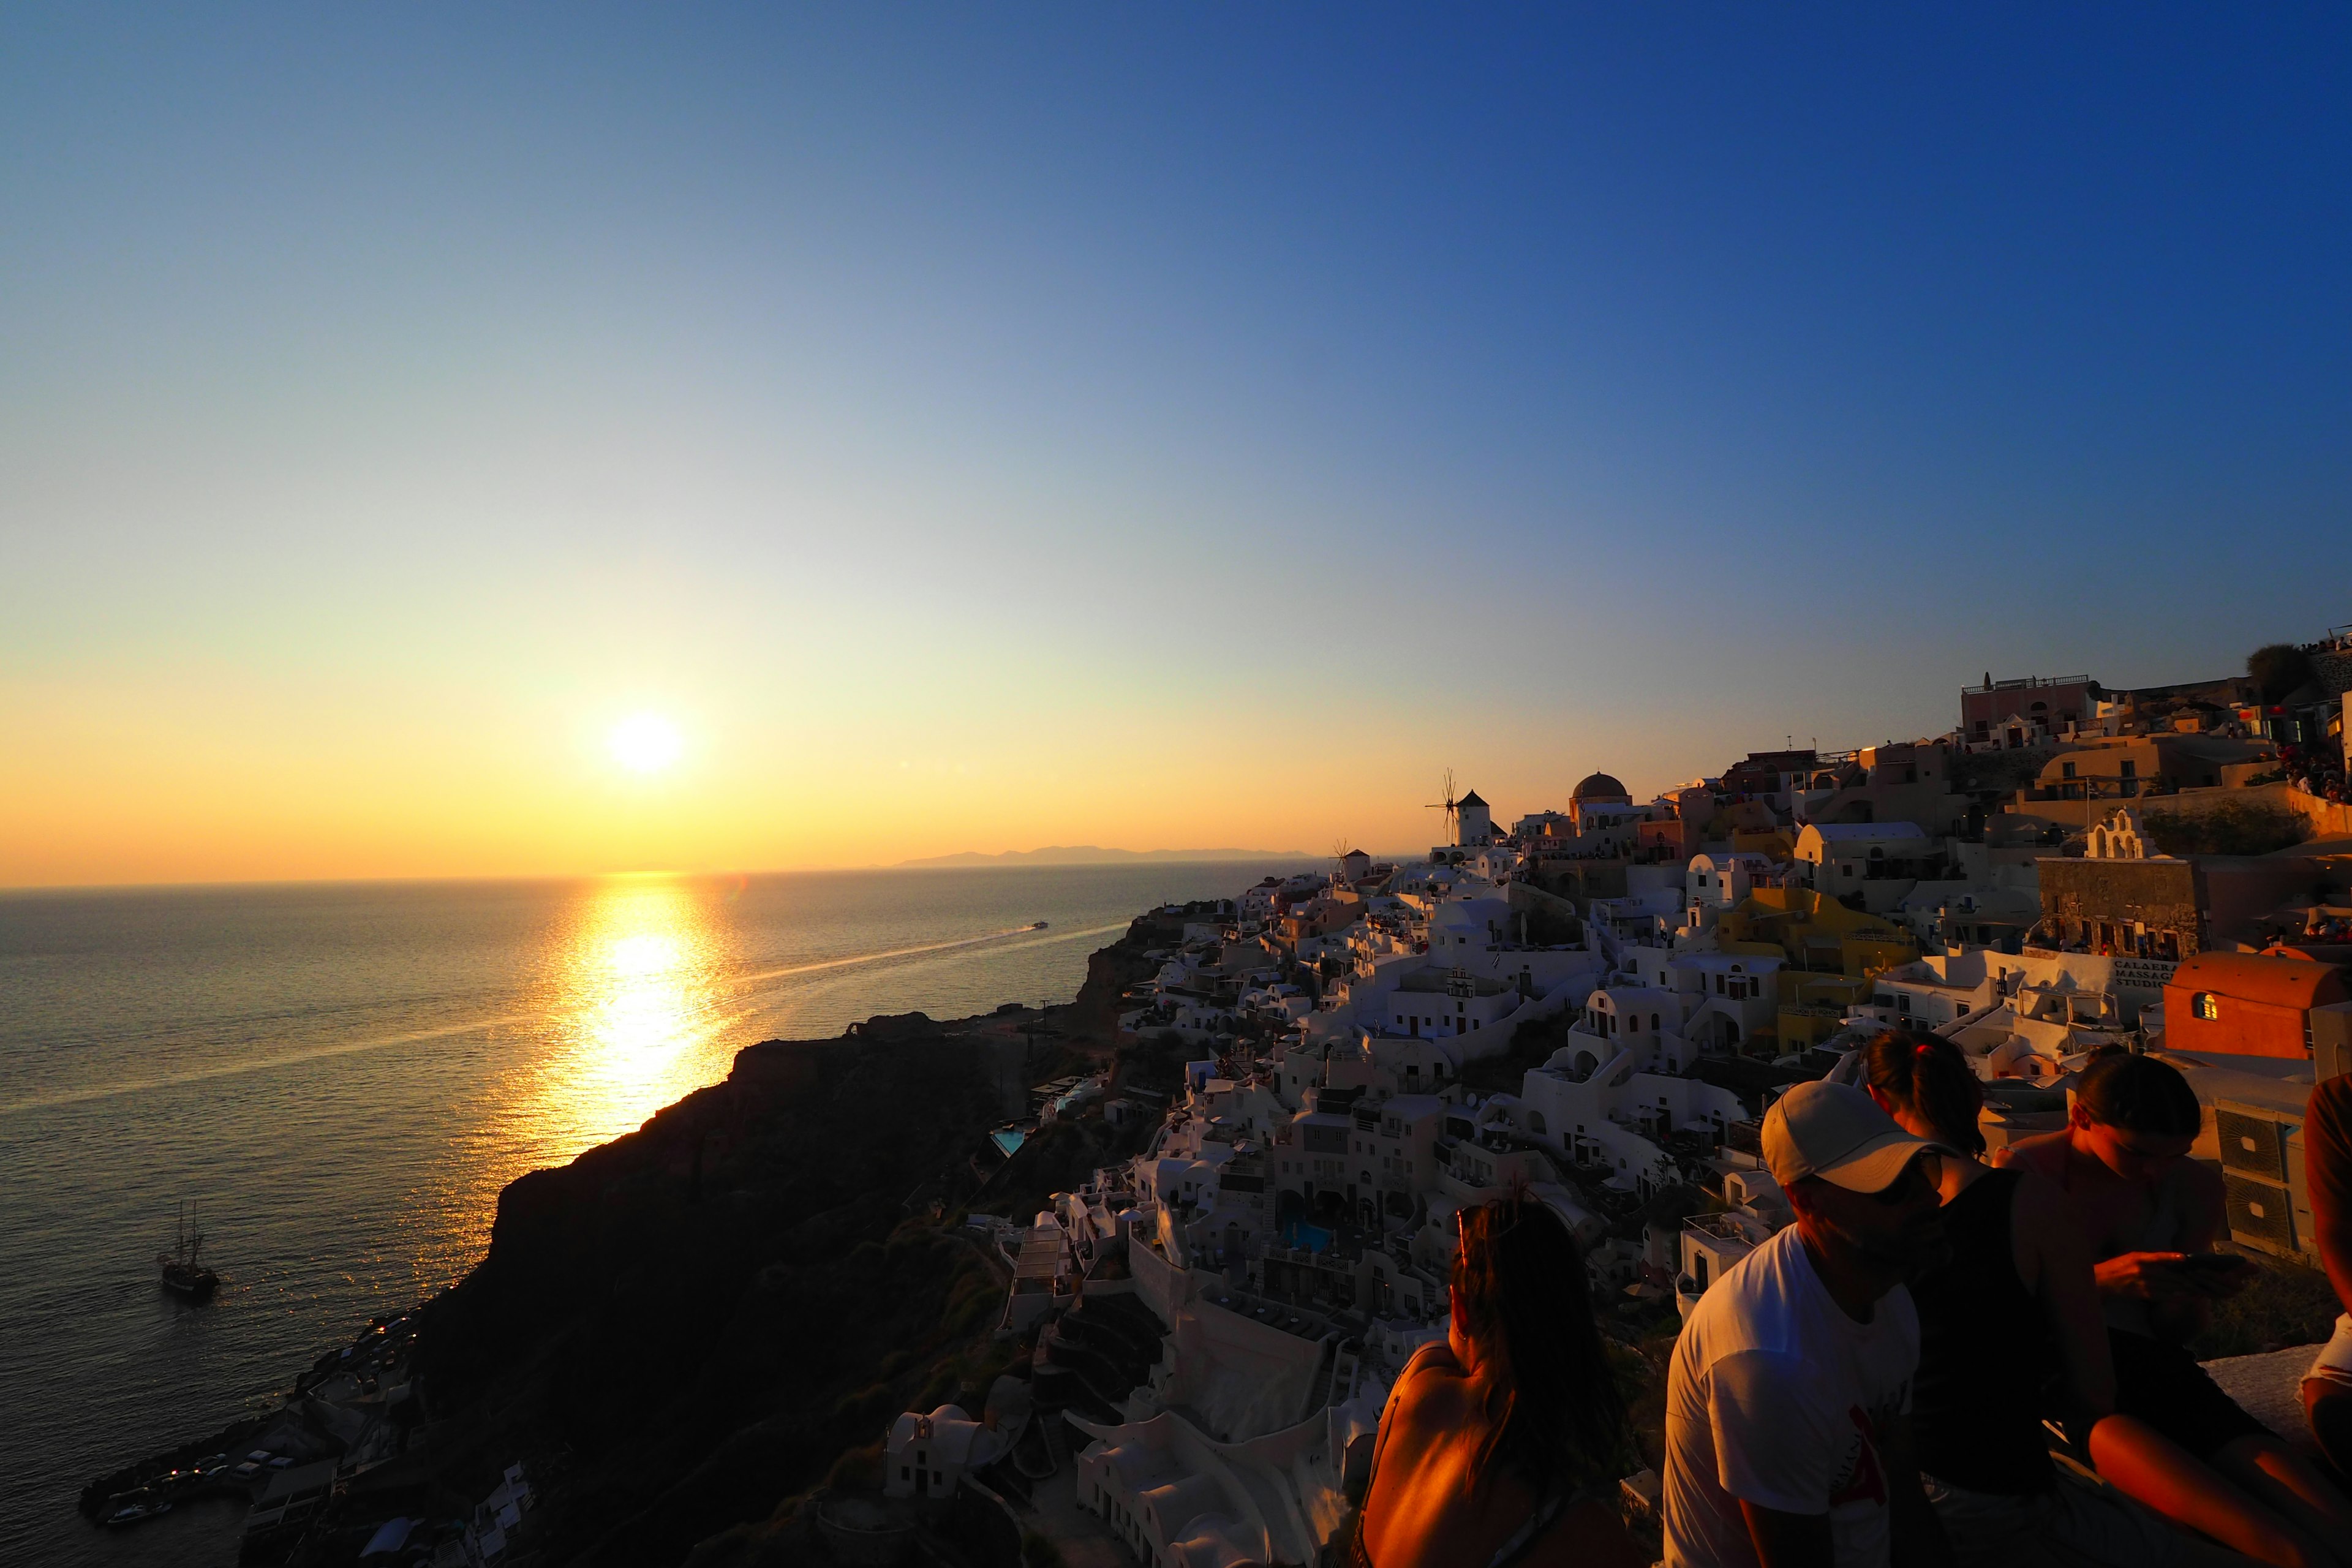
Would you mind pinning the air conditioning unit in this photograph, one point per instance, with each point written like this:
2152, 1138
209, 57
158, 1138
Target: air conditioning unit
2262, 1177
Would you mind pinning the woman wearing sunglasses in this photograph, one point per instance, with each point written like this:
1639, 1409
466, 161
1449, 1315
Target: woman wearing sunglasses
1503, 1445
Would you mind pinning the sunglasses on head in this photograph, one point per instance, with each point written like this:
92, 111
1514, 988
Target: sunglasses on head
1517, 1208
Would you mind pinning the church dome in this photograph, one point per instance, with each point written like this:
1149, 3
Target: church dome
1599, 786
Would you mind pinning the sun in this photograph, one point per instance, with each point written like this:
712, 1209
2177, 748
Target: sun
644, 742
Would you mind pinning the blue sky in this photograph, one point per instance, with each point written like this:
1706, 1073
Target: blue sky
985, 427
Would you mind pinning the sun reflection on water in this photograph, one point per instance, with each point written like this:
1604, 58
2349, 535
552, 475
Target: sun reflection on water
640, 1011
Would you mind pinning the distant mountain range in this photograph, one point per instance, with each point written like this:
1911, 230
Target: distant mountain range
1091, 855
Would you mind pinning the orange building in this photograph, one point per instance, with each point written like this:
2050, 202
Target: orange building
2245, 1004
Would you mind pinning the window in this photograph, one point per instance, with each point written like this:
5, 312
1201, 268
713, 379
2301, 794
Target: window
1653, 1023
2131, 769
2065, 770
2206, 1005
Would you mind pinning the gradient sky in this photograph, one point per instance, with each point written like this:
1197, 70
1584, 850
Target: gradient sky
981, 428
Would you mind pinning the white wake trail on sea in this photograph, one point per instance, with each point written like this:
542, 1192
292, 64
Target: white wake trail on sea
232, 1070
446, 1031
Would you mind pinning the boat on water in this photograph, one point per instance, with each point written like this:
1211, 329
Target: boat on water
135, 1507
182, 1273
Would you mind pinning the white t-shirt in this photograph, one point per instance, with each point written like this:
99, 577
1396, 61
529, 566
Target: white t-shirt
1778, 1399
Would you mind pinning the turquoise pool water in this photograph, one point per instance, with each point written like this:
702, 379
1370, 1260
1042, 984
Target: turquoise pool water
1307, 1238
1008, 1139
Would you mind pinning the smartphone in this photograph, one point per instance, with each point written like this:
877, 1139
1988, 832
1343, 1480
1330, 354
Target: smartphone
2211, 1262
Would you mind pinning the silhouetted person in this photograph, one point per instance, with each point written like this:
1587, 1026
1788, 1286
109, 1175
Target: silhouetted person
2151, 1216
2327, 1164
2009, 1328
1788, 1408
1503, 1445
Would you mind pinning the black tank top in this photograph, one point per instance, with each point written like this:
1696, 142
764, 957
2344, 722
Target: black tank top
1986, 1354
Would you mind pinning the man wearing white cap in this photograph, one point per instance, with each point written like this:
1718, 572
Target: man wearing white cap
1788, 1407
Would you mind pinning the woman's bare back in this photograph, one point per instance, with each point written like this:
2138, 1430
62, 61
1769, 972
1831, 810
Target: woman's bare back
1423, 1510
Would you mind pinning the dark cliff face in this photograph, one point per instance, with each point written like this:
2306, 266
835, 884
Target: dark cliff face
691, 1323
695, 1329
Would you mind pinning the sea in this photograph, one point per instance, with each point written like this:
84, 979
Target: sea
338, 1078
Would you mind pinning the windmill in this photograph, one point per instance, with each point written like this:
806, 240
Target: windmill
1451, 807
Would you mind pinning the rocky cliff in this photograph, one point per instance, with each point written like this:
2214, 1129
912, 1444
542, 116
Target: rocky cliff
686, 1326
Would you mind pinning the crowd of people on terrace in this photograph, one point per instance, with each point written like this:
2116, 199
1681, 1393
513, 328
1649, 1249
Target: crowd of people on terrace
2315, 772
1943, 1361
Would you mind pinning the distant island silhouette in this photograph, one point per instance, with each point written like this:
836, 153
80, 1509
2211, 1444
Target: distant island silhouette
1093, 855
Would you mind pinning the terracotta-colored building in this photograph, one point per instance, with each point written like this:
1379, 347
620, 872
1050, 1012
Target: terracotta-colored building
2052, 701
2245, 1004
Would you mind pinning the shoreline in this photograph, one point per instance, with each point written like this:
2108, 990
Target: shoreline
387, 1413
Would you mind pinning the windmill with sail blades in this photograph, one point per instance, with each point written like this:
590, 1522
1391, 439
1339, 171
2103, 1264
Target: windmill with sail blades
1451, 807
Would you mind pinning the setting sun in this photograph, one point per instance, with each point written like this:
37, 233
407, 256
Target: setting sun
646, 743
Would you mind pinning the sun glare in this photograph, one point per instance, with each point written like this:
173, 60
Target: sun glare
646, 743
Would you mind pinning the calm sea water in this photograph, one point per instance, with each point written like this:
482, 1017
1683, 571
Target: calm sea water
342, 1077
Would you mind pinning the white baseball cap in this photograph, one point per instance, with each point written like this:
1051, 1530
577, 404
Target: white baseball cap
1839, 1133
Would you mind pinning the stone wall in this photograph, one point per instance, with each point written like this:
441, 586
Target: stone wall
2160, 894
2332, 671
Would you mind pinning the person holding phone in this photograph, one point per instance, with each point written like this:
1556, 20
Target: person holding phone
2018, 1261
2152, 1218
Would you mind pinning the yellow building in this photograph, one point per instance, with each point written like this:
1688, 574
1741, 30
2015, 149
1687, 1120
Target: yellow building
1833, 953
1773, 842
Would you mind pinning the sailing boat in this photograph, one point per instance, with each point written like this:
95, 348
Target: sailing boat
183, 1275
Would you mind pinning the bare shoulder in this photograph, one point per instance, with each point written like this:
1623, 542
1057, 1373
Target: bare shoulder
1431, 1375
2043, 1155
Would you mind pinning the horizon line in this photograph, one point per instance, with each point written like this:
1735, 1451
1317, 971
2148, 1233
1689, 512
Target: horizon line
191, 884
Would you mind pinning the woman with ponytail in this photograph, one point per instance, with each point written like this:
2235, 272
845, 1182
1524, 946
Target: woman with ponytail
2010, 1332
1503, 1444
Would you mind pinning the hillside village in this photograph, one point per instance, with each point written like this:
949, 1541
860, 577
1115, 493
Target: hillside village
1168, 1246
1593, 1004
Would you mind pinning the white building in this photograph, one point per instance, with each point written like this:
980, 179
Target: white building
1713, 883
1181, 1499
1606, 1113
925, 1455
1874, 859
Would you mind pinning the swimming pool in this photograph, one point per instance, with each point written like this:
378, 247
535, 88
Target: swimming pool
1008, 1139
1307, 1238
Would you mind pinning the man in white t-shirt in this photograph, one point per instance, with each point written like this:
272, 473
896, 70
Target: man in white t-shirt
1788, 1409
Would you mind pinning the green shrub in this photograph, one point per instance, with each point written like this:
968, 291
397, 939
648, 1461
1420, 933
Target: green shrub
2278, 669
2287, 1304
856, 1470
2231, 828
